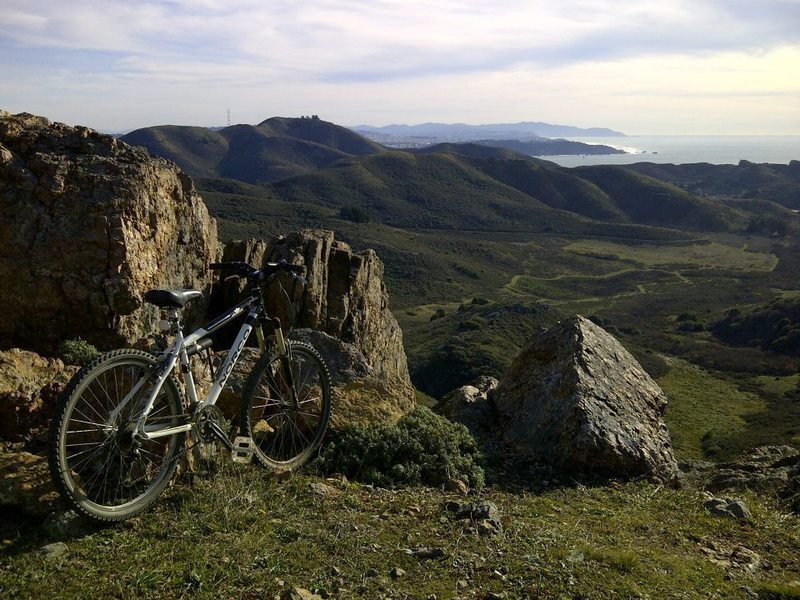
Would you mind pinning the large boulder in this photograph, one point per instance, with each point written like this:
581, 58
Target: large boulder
87, 225
345, 297
576, 400
29, 389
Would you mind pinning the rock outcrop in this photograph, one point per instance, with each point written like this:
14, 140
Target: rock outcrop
771, 470
345, 297
576, 400
29, 389
87, 225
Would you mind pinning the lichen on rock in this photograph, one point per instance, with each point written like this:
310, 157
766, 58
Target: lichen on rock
87, 225
576, 400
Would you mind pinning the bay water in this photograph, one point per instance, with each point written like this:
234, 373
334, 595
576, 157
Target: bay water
679, 149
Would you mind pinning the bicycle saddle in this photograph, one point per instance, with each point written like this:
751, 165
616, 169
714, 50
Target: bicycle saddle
172, 298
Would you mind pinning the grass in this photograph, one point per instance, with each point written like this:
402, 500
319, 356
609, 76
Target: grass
703, 407
712, 255
244, 534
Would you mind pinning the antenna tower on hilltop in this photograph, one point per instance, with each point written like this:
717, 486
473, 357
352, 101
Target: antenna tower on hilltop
229, 117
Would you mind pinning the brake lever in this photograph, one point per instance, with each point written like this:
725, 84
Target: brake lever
231, 277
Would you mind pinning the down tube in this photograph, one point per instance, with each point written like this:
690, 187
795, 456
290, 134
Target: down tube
233, 355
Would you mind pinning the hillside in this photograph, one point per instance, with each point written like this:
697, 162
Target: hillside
468, 186
274, 149
424, 191
774, 326
776, 182
551, 147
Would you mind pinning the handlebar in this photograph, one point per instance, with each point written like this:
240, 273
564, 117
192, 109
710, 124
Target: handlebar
256, 276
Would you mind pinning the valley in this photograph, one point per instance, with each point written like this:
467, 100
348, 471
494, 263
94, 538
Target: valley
483, 246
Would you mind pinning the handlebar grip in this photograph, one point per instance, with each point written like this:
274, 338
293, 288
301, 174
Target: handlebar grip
238, 266
295, 268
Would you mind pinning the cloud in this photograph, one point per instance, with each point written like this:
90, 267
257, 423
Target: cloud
355, 40
413, 55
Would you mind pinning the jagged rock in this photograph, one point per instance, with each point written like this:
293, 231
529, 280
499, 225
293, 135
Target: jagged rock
25, 483
298, 593
87, 225
472, 405
29, 389
346, 298
576, 400
68, 524
484, 515
767, 469
53, 551
726, 507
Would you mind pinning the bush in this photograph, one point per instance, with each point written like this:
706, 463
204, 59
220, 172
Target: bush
356, 214
422, 448
440, 313
77, 352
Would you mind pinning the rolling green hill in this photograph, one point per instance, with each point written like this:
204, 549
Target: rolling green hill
425, 191
471, 187
775, 182
274, 149
196, 150
304, 162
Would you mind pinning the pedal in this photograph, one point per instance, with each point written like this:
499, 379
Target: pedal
242, 450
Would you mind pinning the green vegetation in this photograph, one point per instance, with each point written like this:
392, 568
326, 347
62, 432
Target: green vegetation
774, 326
421, 448
773, 182
271, 150
244, 534
706, 415
478, 339
77, 352
354, 214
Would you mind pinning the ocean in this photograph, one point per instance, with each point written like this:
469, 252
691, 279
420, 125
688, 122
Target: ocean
678, 149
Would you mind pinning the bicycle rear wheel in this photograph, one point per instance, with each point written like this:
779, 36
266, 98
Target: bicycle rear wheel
286, 406
97, 463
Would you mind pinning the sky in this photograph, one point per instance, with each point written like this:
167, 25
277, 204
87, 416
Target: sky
643, 67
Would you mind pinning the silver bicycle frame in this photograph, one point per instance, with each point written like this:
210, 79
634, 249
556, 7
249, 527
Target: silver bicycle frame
177, 352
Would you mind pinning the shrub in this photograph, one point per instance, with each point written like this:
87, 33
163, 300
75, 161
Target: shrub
356, 214
422, 448
440, 312
77, 352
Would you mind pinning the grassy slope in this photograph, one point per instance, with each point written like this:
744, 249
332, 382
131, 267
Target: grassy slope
274, 149
245, 535
196, 150
775, 182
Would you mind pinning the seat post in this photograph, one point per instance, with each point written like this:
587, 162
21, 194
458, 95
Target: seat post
174, 317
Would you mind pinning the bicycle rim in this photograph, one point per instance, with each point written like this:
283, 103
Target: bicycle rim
285, 434
99, 467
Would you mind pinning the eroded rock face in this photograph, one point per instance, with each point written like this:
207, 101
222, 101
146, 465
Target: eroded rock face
575, 399
87, 225
29, 389
346, 298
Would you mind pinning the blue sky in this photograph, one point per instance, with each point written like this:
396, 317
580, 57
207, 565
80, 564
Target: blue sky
666, 66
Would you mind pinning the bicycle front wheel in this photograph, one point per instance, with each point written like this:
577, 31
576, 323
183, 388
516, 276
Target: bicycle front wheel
98, 463
286, 406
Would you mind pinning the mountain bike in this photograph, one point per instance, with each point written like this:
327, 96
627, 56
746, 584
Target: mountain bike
121, 424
